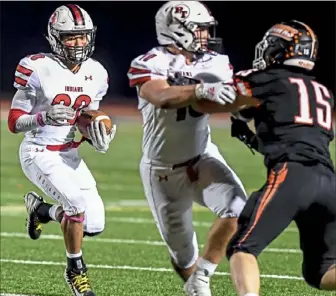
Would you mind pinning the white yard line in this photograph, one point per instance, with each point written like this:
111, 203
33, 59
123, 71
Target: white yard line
125, 267
4, 294
127, 241
18, 211
151, 221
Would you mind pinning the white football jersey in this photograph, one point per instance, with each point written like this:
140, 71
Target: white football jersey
46, 82
173, 136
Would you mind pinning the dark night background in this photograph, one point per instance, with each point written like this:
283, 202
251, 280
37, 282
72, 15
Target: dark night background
127, 29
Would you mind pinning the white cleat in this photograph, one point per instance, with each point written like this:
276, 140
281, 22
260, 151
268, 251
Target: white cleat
198, 284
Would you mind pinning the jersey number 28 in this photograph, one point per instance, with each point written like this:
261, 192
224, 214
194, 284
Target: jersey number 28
323, 108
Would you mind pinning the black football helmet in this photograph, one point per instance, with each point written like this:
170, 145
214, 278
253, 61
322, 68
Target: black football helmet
290, 43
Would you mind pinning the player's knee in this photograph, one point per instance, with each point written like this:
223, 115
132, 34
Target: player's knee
230, 250
232, 209
79, 218
94, 214
237, 205
94, 227
74, 205
235, 246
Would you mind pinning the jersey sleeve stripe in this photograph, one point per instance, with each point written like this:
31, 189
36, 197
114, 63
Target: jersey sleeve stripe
133, 70
20, 81
24, 70
139, 81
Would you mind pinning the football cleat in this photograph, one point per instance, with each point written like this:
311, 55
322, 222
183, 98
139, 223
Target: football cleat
78, 282
33, 223
198, 284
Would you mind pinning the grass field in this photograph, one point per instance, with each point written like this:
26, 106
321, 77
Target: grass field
129, 257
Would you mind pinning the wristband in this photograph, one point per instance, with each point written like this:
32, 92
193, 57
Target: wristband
39, 119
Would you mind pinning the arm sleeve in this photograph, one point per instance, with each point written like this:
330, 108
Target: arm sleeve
19, 119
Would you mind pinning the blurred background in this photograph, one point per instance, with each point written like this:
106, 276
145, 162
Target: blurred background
127, 29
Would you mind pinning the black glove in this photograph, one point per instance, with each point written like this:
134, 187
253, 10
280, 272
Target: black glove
179, 79
241, 131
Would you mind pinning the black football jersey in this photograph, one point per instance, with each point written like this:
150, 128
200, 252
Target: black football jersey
294, 119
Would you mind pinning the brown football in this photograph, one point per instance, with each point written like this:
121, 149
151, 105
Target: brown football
86, 117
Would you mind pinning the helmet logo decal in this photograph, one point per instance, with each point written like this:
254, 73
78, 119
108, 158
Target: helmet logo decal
182, 11
53, 18
283, 31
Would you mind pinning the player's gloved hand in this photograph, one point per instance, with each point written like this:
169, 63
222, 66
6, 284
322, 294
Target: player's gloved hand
57, 115
99, 138
218, 92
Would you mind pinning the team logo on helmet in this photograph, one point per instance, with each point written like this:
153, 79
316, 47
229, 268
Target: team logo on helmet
181, 11
53, 18
283, 31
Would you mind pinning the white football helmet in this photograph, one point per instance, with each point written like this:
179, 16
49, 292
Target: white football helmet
68, 20
177, 21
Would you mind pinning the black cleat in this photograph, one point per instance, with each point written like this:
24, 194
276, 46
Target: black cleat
78, 282
33, 223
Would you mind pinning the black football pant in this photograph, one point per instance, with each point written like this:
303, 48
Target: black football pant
293, 192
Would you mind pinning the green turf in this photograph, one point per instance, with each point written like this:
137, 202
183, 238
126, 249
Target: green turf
129, 257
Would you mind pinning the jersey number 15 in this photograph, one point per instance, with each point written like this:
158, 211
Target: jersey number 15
323, 106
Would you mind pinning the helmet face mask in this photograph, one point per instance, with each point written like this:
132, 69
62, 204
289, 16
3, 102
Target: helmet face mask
74, 53
292, 43
71, 34
187, 25
259, 62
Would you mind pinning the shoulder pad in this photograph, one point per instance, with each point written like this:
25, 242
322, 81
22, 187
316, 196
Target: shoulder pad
218, 69
152, 65
103, 79
26, 74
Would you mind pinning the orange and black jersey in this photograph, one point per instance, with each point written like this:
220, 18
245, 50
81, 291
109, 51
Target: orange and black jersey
294, 119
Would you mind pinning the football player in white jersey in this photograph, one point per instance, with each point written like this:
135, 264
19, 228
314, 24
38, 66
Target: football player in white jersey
180, 164
52, 89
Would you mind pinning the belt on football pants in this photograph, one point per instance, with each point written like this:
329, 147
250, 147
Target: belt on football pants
187, 163
192, 174
61, 147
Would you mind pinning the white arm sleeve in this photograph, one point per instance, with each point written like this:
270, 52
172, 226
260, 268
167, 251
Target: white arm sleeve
23, 102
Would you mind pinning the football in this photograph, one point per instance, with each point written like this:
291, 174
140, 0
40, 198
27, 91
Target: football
86, 117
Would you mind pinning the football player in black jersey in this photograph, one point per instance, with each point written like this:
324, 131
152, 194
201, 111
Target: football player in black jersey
293, 130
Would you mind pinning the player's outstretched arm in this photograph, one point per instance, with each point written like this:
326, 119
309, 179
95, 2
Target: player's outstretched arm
241, 102
162, 95
150, 74
159, 93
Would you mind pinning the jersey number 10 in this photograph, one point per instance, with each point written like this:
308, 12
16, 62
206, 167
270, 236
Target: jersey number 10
323, 108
